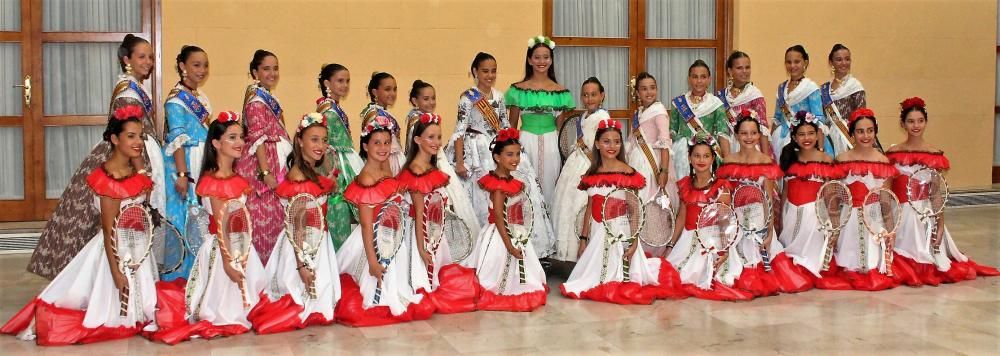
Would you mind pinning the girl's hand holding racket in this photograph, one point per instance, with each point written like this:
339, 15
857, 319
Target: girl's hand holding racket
121, 282
307, 276
376, 270
426, 257
234, 275
630, 251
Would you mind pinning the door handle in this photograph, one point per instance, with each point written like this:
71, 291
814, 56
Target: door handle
27, 89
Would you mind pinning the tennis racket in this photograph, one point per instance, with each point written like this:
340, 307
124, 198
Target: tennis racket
717, 231
235, 240
196, 227
434, 212
833, 209
388, 236
519, 218
881, 217
460, 239
927, 192
568, 136
305, 227
131, 244
753, 211
623, 216
169, 248
659, 221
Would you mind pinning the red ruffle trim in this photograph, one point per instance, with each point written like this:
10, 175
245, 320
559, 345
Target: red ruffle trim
173, 327
926, 273
823, 170
791, 278
749, 171
871, 281
222, 188
935, 160
690, 195
106, 186
719, 292
524, 302
377, 193
959, 271
632, 180
289, 188
831, 279
508, 186
422, 183
61, 326
633, 293
350, 310
881, 170
280, 316
458, 290
757, 281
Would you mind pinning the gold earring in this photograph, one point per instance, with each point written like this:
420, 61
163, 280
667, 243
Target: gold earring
128, 69
328, 92
729, 82
184, 74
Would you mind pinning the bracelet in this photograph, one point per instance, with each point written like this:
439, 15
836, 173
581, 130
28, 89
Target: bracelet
584, 238
670, 245
183, 174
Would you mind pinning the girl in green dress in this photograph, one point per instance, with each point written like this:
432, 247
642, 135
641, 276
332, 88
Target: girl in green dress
342, 163
697, 111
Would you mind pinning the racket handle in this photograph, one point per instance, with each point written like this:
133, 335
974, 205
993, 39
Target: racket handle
520, 271
625, 270
889, 256
828, 254
378, 293
765, 258
312, 289
123, 297
246, 296
430, 273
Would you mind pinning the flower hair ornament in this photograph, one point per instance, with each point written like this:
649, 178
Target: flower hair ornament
228, 116
859, 113
914, 102
508, 134
609, 124
700, 138
803, 116
128, 111
378, 123
548, 42
310, 119
749, 113
426, 118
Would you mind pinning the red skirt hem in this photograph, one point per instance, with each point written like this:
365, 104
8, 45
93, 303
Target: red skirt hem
351, 312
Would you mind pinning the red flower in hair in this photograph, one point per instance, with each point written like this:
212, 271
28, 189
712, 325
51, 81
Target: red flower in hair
508, 134
128, 111
430, 118
862, 112
320, 100
609, 123
745, 112
227, 116
912, 102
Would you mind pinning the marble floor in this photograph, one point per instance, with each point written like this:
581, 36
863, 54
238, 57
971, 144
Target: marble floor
951, 319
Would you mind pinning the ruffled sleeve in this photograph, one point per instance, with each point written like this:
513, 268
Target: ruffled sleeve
222, 188
822, 170
422, 183
882, 170
749, 171
691, 195
104, 185
934, 160
289, 188
507, 185
632, 180
374, 194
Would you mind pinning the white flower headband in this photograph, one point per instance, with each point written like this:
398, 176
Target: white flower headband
802, 117
548, 42
701, 138
311, 119
379, 122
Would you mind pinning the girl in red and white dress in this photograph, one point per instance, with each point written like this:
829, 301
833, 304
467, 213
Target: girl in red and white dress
806, 170
211, 304
859, 253
913, 239
696, 266
451, 287
599, 273
81, 305
495, 254
287, 305
360, 270
749, 166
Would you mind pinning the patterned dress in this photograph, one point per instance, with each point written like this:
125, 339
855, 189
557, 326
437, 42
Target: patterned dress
340, 213
264, 127
76, 218
186, 131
